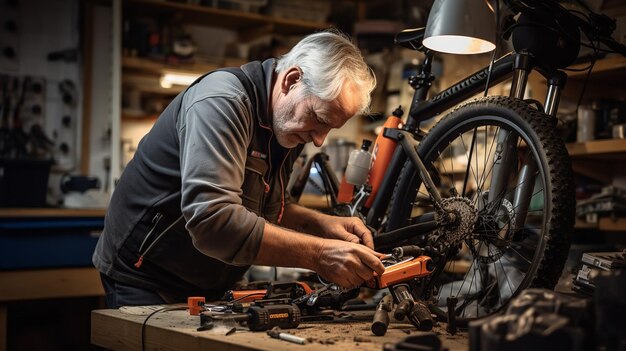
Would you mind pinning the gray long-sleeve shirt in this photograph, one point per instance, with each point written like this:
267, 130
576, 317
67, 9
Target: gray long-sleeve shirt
188, 214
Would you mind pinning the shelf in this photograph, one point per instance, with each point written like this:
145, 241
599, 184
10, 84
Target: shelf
50, 212
605, 81
249, 25
317, 202
604, 224
145, 117
602, 68
599, 159
599, 149
154, 66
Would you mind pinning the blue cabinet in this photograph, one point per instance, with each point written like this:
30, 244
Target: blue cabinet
48, 238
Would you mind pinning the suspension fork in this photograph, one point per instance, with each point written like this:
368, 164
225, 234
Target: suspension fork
505, 156
507, 148
526, 182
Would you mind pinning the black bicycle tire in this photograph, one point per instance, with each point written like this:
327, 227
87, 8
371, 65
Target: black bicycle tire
554, 158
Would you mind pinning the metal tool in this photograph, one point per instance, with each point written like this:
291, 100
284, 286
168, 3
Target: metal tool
259, 316
328, 296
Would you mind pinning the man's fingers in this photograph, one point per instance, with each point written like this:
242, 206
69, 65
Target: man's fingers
360, 229
368, 240
364, 272
353, 239
372, 260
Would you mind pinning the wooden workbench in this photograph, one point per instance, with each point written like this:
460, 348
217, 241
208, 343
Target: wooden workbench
176, 330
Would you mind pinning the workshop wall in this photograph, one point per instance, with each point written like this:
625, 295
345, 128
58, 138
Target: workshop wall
40, 60
101, 87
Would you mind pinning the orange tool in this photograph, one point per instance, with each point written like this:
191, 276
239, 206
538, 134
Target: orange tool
244, 295
402, 271
275, 290
195, 304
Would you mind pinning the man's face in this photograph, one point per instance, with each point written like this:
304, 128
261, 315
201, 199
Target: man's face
299, 120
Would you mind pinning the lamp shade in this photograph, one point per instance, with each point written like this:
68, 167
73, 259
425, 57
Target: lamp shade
460, 27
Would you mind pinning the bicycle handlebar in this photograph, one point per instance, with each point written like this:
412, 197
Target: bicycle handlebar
597, 27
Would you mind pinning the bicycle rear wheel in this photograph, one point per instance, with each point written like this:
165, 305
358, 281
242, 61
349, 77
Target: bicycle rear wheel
506, 239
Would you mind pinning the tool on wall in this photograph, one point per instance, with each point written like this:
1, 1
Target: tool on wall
9, 36
65, 130
22, 117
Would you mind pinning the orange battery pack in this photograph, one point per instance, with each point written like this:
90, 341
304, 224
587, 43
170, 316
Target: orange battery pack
381, 156
401, 272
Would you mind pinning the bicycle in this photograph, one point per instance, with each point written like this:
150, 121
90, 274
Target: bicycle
509, 210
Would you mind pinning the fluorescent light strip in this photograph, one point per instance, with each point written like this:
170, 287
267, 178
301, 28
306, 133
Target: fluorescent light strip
168, 80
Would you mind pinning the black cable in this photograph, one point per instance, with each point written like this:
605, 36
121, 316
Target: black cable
582, 92
495, 49
145, 321
323, 177
577, 69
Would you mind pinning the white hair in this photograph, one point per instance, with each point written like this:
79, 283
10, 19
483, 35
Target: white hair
328, 60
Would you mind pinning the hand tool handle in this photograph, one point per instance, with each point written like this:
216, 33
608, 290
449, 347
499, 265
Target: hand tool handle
420, 317
381, 316
403, 297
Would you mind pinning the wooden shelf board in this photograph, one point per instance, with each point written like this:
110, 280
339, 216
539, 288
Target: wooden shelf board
314, 201
145, 117
606, 80
612, 225
153, 66
580, 224
598, 147
602, 67
49, 283
50, 212
209, 16
606, 224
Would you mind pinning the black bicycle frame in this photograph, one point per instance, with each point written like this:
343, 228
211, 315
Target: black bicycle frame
517, 65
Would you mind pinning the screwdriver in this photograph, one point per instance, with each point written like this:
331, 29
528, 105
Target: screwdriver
277, 334
381, 316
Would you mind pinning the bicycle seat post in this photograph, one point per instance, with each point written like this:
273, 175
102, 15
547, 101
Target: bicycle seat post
421, 83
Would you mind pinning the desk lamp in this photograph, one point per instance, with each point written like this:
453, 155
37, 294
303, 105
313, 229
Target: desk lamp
460, 27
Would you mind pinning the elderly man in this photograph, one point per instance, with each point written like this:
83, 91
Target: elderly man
204, 196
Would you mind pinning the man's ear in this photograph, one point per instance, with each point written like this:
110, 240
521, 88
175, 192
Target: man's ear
291, 77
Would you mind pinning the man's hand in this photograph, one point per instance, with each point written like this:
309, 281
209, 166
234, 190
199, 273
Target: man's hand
347, 264
350, 229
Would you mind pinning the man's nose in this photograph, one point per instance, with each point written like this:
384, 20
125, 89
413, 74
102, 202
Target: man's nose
319, 137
